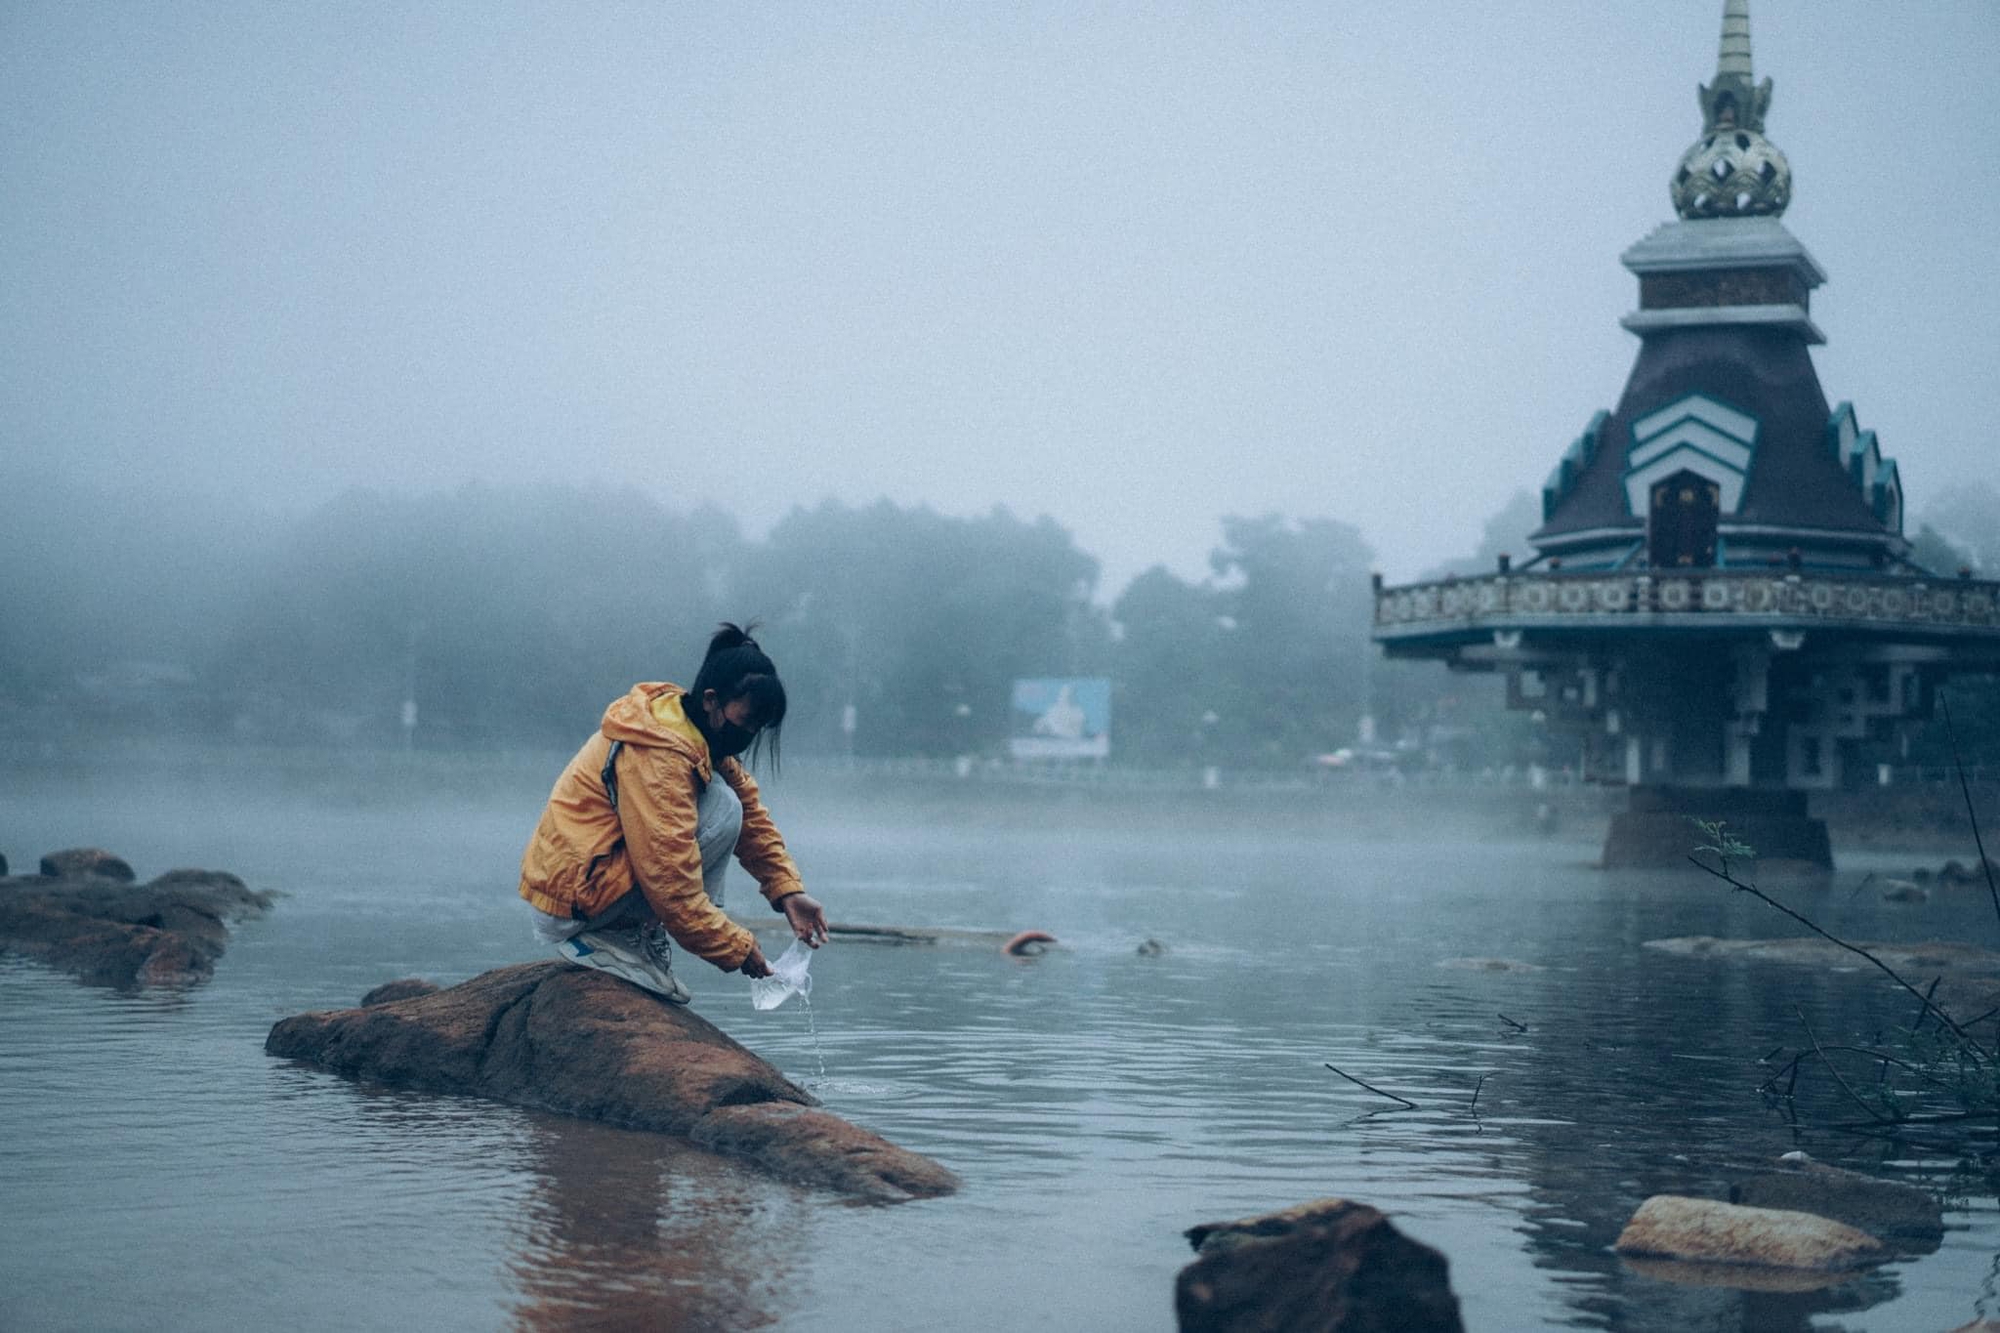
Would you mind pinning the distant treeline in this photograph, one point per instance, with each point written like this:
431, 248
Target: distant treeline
512, 615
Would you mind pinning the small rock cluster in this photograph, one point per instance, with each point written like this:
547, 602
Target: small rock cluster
1956, 874
87, 915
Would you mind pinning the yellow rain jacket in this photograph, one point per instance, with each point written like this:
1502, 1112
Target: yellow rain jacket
585, 855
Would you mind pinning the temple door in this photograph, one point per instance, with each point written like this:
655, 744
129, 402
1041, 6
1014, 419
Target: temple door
1680, 529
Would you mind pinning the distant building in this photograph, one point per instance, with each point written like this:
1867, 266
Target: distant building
1721, 597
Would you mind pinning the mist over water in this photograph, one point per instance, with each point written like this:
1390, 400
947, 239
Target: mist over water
383, 392
1096, 1101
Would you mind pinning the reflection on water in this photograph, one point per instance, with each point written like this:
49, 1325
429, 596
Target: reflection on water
1096, 1101
627, 1230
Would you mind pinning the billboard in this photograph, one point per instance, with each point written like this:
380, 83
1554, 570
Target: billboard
1061, 717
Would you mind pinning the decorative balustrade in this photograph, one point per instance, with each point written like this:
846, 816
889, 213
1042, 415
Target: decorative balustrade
1779, 599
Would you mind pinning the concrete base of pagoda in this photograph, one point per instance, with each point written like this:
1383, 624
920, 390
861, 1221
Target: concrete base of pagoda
1657, 827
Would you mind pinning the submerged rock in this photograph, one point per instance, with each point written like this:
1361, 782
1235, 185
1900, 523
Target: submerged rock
1670, 1226
407, 988
1885, 1208
1904, 891
1489, 965
582, 1043
1930, 956
86, 863
1329, 1266
167, 932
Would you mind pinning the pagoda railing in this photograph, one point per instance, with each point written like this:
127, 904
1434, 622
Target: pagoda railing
1777, 598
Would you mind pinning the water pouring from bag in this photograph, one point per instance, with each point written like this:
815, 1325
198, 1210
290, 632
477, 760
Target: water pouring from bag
788, 977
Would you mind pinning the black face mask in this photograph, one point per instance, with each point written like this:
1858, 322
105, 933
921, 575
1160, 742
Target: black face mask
729, 740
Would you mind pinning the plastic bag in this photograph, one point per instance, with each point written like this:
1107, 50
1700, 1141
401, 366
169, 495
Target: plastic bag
788, 977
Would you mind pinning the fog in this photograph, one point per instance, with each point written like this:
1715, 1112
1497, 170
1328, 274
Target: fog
1133, 271
371, 354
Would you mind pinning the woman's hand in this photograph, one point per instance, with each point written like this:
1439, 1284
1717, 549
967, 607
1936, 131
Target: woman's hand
807, 918
753, 964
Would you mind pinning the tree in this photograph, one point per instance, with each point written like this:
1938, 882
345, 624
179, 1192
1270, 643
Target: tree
1298, 608
1968, 516
506, 614
1962, 531
1169, 666
920, 621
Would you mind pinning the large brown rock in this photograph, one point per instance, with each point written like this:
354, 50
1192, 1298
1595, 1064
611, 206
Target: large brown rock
582, 1043
1703, 1231
86, 863
1329, 1266
166, 932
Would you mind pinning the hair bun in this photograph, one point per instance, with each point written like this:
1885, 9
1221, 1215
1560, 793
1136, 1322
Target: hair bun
730, 635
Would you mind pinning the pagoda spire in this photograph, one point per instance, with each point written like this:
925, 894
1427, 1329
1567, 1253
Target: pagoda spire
1733, 170
1735, 98
1735, 38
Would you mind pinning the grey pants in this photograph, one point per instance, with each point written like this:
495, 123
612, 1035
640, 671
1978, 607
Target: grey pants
718, 824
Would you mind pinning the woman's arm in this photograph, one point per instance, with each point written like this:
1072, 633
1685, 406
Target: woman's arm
761, 850
657, 810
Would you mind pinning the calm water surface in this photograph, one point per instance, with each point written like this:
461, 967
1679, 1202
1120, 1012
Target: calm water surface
161, 1172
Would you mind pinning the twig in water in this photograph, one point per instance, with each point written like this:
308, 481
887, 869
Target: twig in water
1372, 1088
1770, 1085
1475, 1092
1986, 866
1925, 1011
1517, 1026
1845, 1087
1865, 881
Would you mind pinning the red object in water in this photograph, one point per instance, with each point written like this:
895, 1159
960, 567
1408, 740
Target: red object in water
1027, 944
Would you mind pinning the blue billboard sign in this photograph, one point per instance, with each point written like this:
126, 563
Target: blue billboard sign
1061, 717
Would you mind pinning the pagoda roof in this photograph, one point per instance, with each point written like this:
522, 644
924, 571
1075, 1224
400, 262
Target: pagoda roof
1794, 478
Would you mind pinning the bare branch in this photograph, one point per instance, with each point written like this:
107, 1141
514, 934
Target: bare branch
1853, 1096
1855, 949
1372, 1088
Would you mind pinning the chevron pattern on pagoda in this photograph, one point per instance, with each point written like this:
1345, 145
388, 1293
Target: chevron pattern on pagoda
1697, 434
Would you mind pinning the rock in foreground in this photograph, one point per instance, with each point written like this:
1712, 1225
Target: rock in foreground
1669, 1226
1329, 1266
581, 1043
111, 933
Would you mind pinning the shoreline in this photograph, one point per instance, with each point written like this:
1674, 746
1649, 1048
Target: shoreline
1926, 820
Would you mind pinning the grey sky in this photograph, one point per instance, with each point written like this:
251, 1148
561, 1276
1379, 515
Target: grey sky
1132, 267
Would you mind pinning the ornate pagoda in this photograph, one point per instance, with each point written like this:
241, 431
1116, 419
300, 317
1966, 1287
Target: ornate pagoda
1721, 598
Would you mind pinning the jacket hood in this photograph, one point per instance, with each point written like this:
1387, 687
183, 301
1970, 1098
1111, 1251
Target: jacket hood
651, 715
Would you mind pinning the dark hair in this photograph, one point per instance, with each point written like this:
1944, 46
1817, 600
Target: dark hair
736, 668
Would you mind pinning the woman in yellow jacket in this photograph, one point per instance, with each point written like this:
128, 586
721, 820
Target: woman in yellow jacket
634, 842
